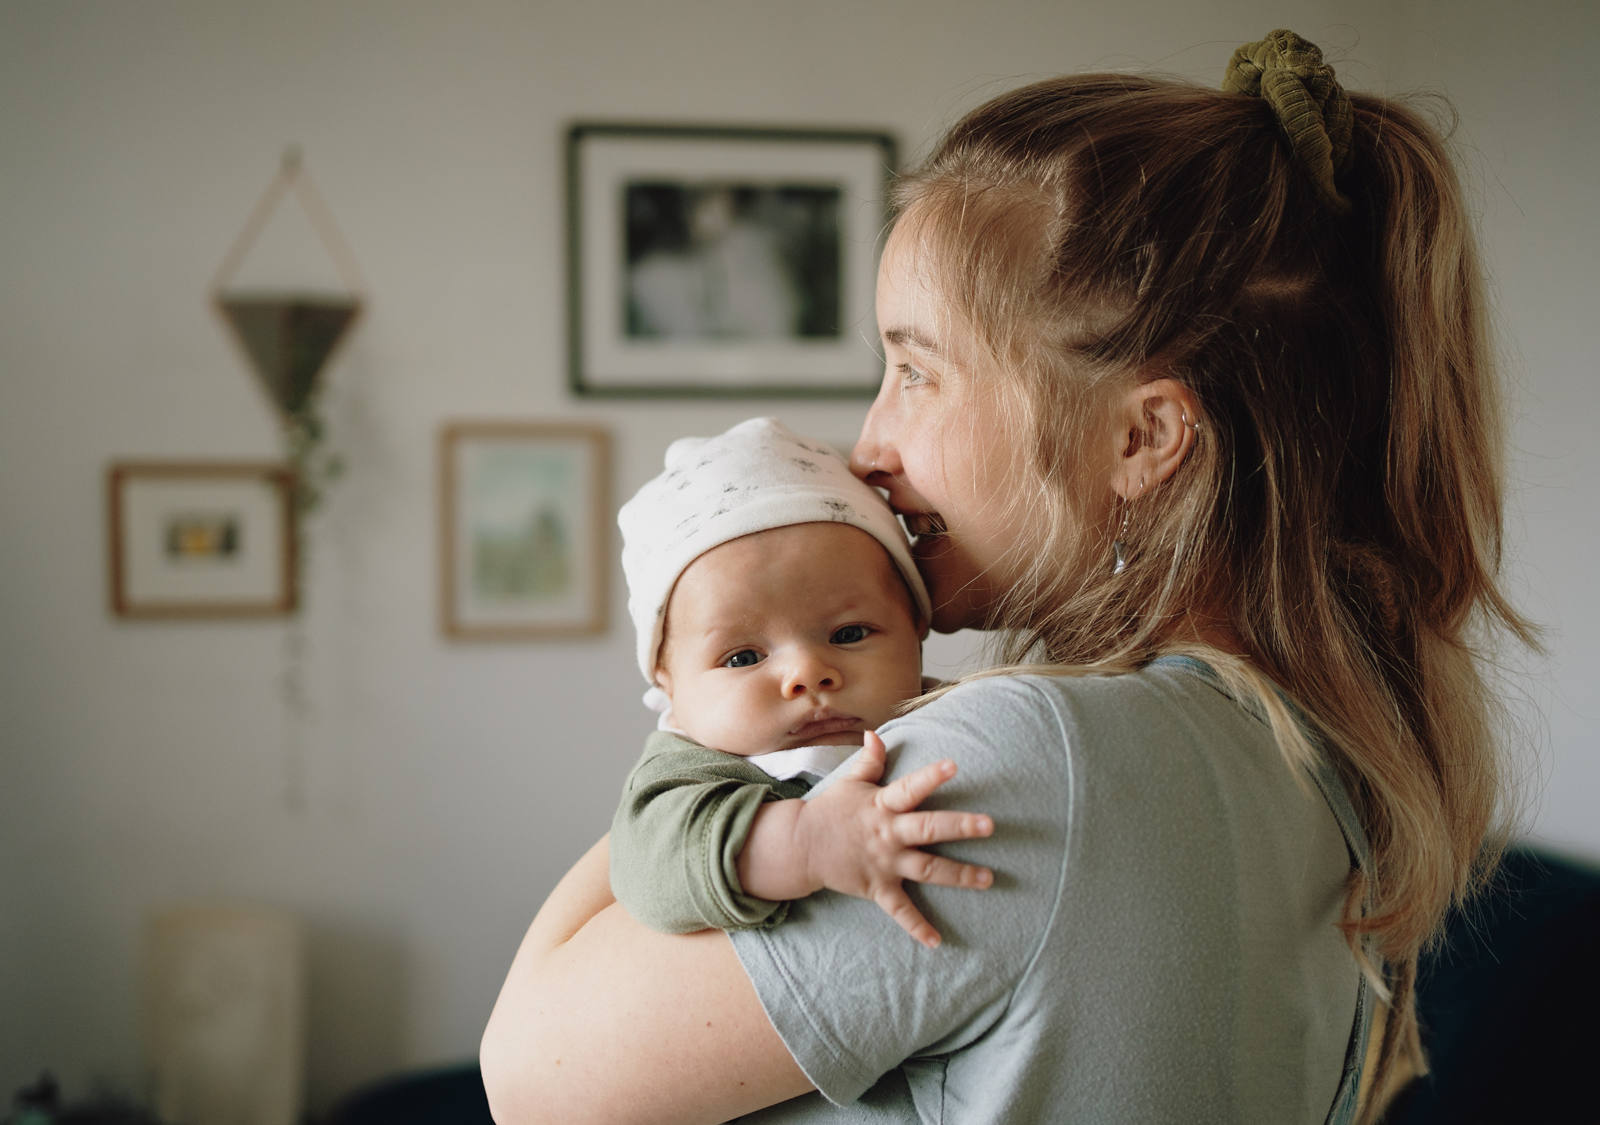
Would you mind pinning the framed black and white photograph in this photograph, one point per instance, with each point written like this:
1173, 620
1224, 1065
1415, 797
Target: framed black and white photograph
525, 512
718, 261
201, 539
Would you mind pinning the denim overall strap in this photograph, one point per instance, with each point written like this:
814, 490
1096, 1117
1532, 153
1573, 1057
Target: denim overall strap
1327, 781
1344, 1103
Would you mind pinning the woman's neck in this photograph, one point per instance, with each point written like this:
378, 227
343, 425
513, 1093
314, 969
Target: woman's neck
1212, 629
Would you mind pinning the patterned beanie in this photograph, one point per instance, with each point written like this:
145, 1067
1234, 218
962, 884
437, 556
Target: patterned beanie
757, 476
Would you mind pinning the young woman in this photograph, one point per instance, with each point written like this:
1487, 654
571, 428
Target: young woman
1188, 394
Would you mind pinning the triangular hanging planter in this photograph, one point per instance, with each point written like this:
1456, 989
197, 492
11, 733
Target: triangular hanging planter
288, 338
288, 335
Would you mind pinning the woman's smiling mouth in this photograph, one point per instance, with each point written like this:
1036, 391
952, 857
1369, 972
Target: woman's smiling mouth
920, 524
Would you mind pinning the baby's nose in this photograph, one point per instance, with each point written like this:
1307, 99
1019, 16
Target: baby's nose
809, 673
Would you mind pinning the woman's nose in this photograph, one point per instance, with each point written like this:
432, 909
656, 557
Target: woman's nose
809, 673
874, 453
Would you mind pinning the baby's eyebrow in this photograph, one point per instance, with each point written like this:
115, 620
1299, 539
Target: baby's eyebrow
726, 634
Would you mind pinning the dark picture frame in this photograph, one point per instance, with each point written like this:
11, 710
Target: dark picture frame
723, 261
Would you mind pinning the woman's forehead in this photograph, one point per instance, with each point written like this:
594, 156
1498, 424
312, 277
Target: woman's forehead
913, 310
907, 272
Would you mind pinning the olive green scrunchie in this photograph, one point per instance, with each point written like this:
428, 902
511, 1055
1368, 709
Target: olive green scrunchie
1312, 108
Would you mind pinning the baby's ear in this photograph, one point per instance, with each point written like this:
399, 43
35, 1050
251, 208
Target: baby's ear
661, 703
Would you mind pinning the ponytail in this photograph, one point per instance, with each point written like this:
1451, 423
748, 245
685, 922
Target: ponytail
1343, 509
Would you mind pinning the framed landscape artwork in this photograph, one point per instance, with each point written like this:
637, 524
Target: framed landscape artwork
200, 539
720, 261
524, 513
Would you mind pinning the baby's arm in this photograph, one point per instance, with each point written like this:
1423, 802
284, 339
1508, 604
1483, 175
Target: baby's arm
862, 839
675, 841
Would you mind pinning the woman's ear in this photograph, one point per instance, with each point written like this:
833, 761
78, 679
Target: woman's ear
1155, 426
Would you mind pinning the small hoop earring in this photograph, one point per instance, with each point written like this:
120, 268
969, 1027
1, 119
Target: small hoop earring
1195, 426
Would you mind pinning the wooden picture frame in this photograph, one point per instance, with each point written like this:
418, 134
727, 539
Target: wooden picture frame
198, 539
524, 518
723, 261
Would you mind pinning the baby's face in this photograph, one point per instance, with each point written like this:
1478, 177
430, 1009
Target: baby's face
790, 637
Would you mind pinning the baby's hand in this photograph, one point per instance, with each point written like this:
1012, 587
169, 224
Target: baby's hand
862, 839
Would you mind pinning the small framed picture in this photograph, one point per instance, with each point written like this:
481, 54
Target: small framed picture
731, 262
201, 539
524, 512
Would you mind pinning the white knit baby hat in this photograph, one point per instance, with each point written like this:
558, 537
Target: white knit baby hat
756, 476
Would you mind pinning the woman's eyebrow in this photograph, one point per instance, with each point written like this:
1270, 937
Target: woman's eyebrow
903, 337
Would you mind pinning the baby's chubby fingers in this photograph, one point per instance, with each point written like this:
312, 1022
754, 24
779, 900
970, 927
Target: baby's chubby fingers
918, 829
894, 902
911, 790
869, 764
925, 867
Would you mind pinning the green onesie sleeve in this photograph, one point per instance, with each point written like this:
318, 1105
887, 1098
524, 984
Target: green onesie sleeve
685, 814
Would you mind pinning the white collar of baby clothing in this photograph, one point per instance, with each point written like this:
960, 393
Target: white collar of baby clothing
808, 763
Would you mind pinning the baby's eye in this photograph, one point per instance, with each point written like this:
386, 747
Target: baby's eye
850, 634
744, 658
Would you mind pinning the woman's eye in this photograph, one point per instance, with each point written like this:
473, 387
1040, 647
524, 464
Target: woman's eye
850, 634
744, 658
910, 376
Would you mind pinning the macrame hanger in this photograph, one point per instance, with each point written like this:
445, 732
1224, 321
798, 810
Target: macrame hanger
292, 174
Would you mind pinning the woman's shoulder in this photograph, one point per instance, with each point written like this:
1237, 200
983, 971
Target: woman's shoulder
1169, 731
1037, 737
1168, 727
1083, 709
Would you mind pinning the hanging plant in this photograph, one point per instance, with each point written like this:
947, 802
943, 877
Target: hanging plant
288, 335
315, 467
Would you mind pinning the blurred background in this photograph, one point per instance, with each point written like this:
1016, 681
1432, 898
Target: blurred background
418, 798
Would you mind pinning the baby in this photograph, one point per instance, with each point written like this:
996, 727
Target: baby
780, 620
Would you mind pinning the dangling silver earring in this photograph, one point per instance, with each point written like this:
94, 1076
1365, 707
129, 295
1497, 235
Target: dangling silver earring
1119, 546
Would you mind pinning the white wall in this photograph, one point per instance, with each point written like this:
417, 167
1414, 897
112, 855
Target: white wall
1522, 82
445, 785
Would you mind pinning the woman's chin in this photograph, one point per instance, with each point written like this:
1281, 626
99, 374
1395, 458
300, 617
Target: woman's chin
957, 594
957, 605
952, 618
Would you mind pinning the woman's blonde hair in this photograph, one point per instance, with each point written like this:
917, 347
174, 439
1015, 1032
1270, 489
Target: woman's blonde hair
1340, 513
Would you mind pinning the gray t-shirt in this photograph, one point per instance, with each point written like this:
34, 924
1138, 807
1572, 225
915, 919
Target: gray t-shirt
1160, 944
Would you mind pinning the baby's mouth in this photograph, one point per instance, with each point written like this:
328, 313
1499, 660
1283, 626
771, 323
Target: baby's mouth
920, 525
824, 724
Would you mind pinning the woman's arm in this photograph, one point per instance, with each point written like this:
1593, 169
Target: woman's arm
603, 1020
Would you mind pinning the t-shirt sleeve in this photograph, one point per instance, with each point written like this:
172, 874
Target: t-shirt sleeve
675, 840
851, 995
